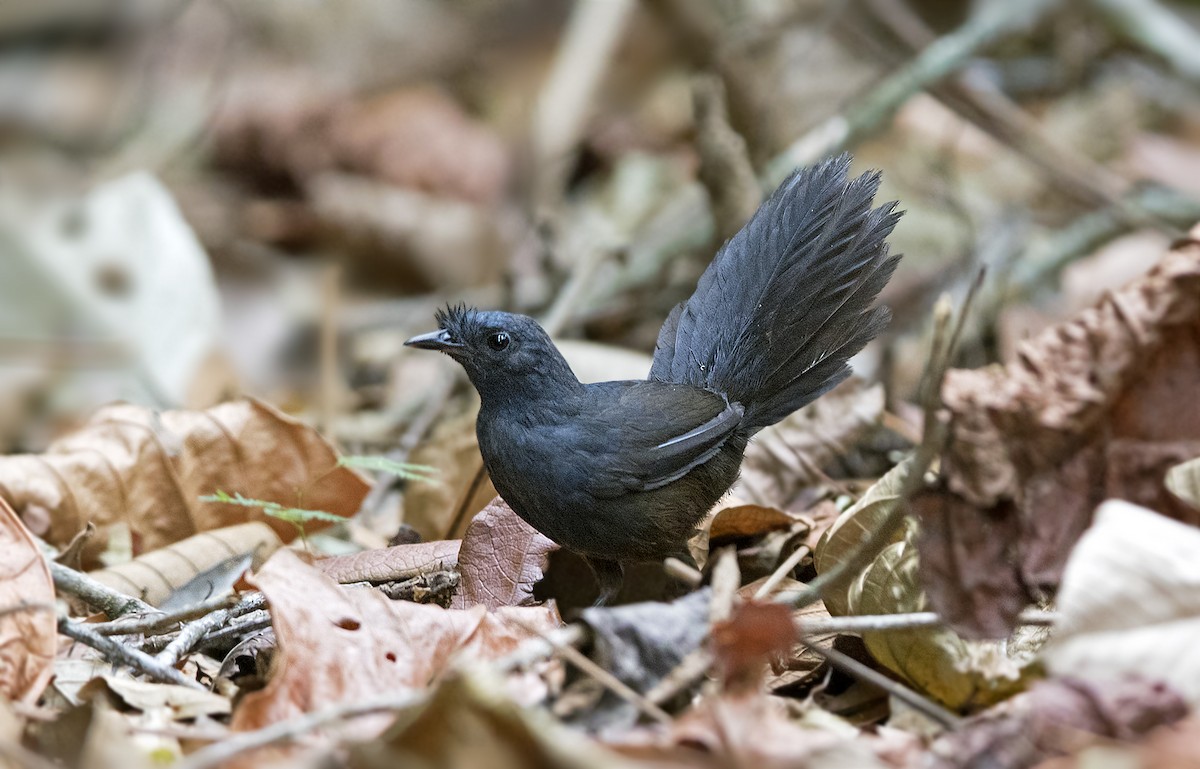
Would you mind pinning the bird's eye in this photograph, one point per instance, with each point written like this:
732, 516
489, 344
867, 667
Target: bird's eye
498, 340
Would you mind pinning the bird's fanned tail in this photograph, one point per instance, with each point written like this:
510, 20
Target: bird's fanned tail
789, 299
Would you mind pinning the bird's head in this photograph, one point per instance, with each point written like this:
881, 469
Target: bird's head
500, 351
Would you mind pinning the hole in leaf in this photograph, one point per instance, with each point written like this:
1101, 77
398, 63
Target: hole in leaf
391, 656
346, 623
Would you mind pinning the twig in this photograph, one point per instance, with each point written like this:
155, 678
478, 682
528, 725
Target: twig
565, 101
865, 623
602, 676
682, 677
684, 572
1156, 29
95, 594
191, 634
118, 653
250, 603
725, 169
941, 354
872, 676
146, 625
213, 756
793, 560
226, 634
543, 646
992, 22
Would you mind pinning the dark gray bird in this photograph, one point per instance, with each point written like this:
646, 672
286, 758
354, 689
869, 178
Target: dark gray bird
624, 471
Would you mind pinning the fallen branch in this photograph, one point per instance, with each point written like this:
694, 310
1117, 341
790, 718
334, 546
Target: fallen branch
95, 594
119, 654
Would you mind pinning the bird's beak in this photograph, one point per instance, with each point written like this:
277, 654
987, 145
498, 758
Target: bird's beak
439, 340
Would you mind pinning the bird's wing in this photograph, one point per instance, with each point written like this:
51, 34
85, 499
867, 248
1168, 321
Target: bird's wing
652, 433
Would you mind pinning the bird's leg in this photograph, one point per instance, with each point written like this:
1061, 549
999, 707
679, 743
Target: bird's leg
609, 575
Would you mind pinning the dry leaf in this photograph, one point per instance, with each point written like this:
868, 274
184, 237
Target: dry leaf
340, 644
842, 539
180, 702
158, 574
501, 559
1057, 717
470, 722
962, 674
751, 730
755, 633
1101, 406
28, 637
149, 469
390, 564
1142, 618
739, 521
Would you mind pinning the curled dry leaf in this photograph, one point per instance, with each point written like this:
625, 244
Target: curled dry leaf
29, 636
148, 469
220, 555
1100, 406
784, 458
340, 644
962, 674
390, 564
501, 559
1141, 619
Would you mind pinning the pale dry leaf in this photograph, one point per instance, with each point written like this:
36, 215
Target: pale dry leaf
180, 702
390, 564
149, 469
962, 674
162, 573
28, 637
786, 457
501, 559
339, 644
1142, 618
738, 521
1183, 480
841, 540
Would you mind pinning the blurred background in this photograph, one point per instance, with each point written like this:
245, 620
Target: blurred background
201, 199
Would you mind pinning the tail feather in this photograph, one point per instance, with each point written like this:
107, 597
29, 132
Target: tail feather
788, 300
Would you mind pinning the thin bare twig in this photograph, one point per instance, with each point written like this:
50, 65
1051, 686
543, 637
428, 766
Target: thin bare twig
213, 756
95, 594
191, 635
151, 624
864, 623
118, 653
872, 676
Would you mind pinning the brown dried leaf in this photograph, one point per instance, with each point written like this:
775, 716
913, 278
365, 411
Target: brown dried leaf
469, 722
339, 644
148, 469
755, 634
741, 521
389, 564
1100, 406
501, 559
28, 637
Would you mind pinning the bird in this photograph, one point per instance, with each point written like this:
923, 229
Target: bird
625, 471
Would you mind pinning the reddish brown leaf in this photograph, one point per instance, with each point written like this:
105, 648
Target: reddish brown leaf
753, 635
149, 469
391, 563
1098, 406
339, 644
748, 521
501, 559
27, 636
